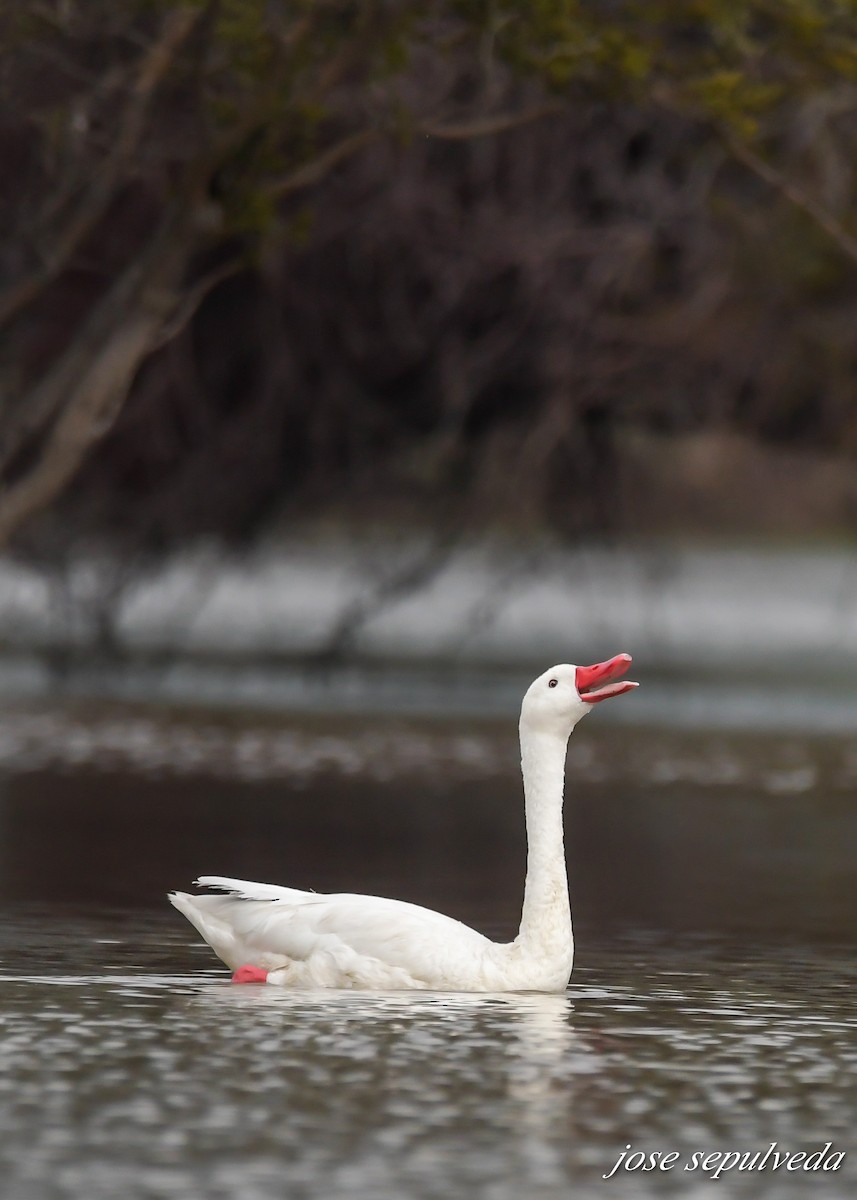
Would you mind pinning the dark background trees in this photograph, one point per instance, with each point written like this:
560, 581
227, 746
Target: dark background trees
261, 258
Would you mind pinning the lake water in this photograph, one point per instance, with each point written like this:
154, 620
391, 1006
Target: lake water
711, 1007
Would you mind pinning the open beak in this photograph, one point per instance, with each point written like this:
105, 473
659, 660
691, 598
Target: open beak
604, 679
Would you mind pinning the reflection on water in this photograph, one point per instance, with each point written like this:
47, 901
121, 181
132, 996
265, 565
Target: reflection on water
708, 831
126, 1071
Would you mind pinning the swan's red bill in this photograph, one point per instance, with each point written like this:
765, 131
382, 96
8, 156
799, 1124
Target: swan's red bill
604, 679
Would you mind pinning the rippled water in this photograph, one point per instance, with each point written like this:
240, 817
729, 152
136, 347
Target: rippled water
130, 1068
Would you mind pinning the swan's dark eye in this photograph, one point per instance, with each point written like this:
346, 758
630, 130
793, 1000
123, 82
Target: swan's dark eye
553, 682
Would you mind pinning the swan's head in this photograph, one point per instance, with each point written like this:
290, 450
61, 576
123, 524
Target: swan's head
556, 701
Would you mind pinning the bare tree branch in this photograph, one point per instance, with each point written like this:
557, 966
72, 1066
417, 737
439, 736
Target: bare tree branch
51, 391
90, 384
408, 577
487, 126
795, 195
99, 194
313, 172
193, 297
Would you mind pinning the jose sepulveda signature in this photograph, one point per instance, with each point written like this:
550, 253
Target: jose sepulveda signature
715, 1162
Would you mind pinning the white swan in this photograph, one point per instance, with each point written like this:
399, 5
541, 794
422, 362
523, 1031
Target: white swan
292, 938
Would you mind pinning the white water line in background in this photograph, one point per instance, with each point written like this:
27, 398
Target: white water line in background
748, 610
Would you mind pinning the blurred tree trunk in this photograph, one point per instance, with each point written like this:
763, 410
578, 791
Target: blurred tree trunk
76, 402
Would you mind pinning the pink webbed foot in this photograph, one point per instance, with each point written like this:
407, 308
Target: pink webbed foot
248, 974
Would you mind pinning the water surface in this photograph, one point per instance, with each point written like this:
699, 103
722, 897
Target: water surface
131, 1068
711, 1007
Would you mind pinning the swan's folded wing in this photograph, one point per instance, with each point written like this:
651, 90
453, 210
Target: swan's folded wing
422, 942
252, 891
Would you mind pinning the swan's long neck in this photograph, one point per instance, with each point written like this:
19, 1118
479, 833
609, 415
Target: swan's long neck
546, 917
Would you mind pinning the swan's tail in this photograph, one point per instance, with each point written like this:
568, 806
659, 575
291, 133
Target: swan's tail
231, 922
202, 914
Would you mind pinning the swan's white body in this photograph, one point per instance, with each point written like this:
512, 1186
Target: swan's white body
301, 939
